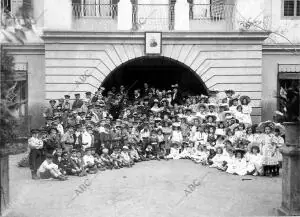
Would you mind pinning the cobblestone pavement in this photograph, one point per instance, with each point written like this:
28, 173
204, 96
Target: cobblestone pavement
162, 189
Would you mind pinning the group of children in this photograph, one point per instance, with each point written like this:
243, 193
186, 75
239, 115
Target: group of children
116, 130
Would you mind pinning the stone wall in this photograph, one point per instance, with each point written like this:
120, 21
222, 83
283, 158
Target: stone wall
79, 62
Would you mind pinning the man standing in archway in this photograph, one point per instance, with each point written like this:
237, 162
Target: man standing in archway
176, 97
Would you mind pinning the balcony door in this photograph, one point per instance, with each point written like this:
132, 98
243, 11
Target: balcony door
97, 8
208, 9
152, 15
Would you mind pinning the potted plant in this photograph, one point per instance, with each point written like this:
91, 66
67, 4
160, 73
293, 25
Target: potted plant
8, 122
289, 116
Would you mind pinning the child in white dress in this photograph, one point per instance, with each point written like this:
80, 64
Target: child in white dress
200, 155
254, 160
218, 159
239, 164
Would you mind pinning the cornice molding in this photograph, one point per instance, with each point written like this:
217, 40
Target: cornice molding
28, 49
138, 37
286, 49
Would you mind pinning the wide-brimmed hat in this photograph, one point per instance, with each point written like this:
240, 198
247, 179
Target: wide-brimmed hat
280, 127
202, 105
212, 105
211, 115
265, 124
241, 150
254, 145
223, 105
245, 97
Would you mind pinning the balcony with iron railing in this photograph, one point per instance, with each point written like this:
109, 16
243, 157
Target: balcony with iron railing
159, 17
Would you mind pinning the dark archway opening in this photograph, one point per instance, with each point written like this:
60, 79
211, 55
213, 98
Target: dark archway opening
158, 72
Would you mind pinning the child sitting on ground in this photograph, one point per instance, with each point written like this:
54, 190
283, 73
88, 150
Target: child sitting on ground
48, 169
218, 159
116, 158
77, 167
89, 162
254, 160
100, 165
127, 161
239, 164
133, 153
200, 155
106, 159
186, 151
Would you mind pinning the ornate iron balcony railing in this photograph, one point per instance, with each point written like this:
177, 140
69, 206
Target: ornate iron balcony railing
95, 10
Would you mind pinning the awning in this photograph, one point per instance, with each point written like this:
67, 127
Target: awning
289, 71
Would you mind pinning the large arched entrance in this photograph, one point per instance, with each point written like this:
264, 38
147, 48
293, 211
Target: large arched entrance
159, 72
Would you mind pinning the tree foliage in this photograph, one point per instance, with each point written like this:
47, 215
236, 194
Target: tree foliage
8, 105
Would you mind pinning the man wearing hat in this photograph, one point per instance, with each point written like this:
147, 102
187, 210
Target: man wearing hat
77, 103
88, 97
49, 111
97, 96
67, 104
146, 90
35, 155
60, 104
176, 95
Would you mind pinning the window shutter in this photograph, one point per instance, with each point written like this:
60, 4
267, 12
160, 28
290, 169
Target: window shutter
289, 6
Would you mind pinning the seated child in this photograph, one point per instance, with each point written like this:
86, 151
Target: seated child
239, 164
218, 159
254, 160
133, 153
174, 152
48, 169
186, 152
149, 153
89, 162
200, 155
100, 165
63, 163
76, 165
127, 161
228, 158
116, 158
106, 159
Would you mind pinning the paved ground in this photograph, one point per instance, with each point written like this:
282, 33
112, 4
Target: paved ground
148, 189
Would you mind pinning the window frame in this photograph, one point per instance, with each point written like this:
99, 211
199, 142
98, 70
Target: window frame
295, 16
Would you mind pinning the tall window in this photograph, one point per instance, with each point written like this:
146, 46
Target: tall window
291, 8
